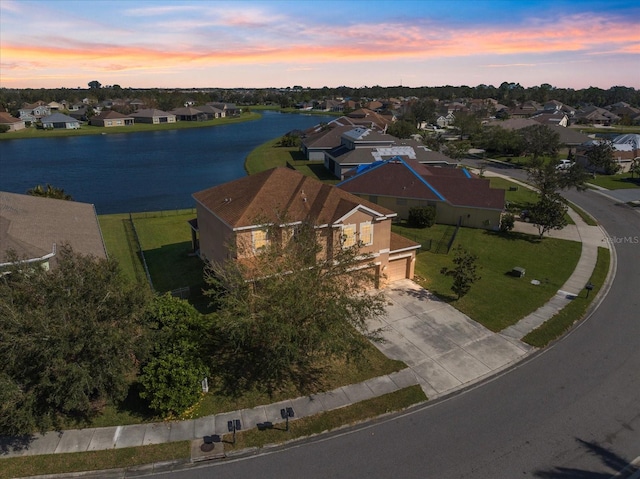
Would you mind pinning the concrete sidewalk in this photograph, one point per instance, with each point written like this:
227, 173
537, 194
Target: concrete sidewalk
444, 349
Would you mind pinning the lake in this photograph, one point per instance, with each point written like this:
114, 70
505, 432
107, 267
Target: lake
149, 171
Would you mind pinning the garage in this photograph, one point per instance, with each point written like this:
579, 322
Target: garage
398, 268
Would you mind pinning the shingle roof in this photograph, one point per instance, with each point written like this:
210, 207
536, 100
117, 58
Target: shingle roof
58, 118
110, 115
30, 225
6, 118
281, 194
150, 113
409, 179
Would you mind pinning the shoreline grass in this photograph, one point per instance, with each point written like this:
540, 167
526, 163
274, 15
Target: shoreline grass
85, 130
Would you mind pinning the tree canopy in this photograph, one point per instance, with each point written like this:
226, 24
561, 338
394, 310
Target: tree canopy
69, 339
538, 141
49, 191
286, 310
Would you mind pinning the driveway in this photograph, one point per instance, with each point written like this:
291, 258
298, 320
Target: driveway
444, 348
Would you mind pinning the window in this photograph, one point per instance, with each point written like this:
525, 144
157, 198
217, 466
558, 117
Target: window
259, 239
348, 236
366, 233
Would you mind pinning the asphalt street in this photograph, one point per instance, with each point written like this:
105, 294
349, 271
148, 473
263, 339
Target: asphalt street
572, 411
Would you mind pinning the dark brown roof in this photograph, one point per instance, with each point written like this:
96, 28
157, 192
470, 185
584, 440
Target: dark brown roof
410, 179
281, 194
110, 115
401, 243
30, 225
6, 118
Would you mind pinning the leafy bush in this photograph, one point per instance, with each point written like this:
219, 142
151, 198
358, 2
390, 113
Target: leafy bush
507, 222
4, 128
422, 217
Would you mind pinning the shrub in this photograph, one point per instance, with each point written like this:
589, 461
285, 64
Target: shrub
507, 222
422, 217
4, 128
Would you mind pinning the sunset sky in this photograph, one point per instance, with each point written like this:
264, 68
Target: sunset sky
165, 44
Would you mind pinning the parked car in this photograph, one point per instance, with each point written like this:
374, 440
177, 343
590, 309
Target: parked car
564, 165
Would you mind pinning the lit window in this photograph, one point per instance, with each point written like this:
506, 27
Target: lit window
366, 233
348, 236
259, 239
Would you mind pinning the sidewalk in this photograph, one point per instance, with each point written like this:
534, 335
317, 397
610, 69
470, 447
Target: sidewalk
444, 349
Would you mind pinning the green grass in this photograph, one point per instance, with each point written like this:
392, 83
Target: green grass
93, 460
618, 129
120, 243
270, 155
336, 374
181, 451
586, 217
166, 243
574, 311
498, 299
616, 182
329, 420
33, 132
521, 198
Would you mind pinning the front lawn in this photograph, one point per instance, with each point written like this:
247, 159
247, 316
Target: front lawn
616, 182
498, 299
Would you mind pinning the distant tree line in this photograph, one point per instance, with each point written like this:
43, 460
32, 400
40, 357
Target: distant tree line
506, 93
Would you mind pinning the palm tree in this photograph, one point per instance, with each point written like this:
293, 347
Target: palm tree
49, 192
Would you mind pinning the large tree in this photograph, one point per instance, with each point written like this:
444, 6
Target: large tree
538, 141
600, 158
285, 311
549, 213
69, 339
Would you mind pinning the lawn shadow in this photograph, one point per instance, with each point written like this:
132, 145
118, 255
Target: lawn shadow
174, 266
515, 236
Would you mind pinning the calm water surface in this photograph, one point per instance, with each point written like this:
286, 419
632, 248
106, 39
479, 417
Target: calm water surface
147, 171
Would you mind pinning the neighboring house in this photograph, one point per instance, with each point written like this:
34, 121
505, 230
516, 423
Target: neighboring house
596, 116
552, 118
445, 121
317, 141
229, 109
109, 118
12, 122
231, 217
55, 106
33, 227
363, 146
568, 136
189, 113
211, 112
458, 196
153, 116
60, 120
626, 151
34, 111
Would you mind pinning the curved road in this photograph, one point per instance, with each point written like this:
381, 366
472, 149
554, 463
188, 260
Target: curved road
572, 411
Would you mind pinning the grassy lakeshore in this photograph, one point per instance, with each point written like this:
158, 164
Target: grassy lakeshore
84, 130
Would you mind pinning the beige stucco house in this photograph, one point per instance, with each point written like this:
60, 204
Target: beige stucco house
231, 220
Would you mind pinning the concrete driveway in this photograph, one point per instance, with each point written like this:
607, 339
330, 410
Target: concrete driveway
444, 348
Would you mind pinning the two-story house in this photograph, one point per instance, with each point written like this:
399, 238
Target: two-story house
231, 219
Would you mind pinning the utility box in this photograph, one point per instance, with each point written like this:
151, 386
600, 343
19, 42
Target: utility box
518, 272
